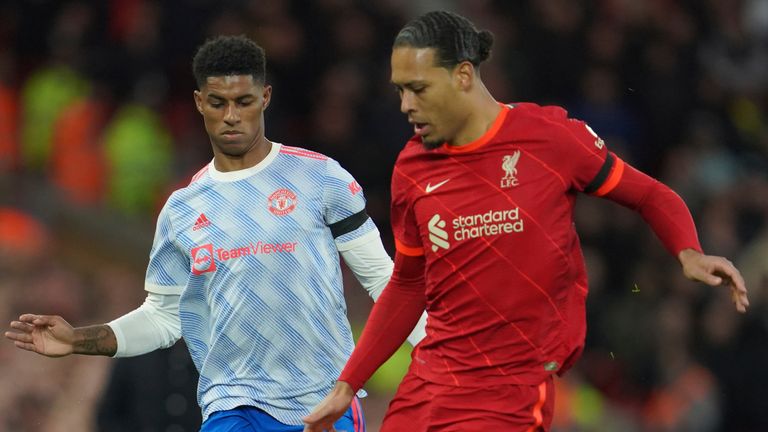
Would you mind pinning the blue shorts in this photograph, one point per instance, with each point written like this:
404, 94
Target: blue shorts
252, 419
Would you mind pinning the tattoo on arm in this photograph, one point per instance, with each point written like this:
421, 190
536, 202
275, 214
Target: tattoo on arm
95, 340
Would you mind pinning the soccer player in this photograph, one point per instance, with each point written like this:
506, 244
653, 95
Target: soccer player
245, 265
482, 214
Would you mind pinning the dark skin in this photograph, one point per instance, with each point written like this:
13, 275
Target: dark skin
233, 113
232, 107
52, 336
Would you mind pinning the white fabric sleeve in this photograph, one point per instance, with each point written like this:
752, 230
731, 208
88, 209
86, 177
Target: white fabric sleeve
153, 325
372, 267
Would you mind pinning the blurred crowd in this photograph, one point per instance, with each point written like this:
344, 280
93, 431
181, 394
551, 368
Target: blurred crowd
98, 127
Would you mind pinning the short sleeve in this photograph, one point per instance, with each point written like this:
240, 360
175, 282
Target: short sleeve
585, 155
404, 226
344, 207
169, 267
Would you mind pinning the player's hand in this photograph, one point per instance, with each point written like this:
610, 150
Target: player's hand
48, 335
325, 414
715, 271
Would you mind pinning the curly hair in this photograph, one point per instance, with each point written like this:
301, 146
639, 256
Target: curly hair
229, 55
453, 36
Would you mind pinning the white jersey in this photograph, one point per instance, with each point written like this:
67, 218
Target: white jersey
253, 254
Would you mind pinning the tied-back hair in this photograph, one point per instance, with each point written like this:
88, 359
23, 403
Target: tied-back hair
229, 55
453, 36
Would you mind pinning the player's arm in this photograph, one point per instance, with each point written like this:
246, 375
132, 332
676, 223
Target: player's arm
155, 324
357, 238
669, 217
663, 210
392, 318
372, 267
52, 336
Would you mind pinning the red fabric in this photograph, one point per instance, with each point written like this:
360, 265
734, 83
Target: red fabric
505, 279
504, 276
421, 406
660, 206
394, 315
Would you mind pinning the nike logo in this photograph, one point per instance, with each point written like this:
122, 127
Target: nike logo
431, 187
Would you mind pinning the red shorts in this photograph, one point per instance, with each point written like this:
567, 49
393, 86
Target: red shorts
422, 406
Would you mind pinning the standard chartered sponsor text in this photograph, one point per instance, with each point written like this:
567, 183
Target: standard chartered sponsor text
490, 223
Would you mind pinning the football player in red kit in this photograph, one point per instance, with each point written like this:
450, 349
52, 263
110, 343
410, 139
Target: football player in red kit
482, 215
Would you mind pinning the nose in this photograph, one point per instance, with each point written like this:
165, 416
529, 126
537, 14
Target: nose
232, 114
406, 102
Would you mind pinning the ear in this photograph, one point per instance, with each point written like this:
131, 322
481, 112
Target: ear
267, 96
464, 75
198, 100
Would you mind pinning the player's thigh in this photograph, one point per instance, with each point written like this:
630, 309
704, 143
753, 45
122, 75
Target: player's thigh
508, 408
410, 406
419, 406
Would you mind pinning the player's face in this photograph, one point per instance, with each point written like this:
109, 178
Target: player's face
428, 94
233, 111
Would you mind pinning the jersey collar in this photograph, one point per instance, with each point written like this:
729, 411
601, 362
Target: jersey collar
487, 136
231, 176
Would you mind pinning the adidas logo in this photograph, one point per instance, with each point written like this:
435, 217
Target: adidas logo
201, 222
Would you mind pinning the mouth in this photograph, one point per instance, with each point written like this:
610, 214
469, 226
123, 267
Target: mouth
231, 134
421, 129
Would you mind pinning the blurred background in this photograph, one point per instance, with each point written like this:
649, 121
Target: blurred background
98, 127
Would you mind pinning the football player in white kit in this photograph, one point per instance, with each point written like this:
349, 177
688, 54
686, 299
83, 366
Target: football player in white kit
245, 265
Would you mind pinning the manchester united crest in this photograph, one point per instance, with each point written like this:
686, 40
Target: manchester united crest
282, 202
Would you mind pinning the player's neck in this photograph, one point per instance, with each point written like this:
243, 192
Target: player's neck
257, 153
482, 112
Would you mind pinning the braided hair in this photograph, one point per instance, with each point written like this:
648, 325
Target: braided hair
453, 36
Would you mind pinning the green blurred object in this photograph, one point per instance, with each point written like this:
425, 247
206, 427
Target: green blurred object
44, 95
588, 407
139, 152
388, 376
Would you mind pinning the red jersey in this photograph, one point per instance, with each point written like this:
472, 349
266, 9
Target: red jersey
486, 242
505, 278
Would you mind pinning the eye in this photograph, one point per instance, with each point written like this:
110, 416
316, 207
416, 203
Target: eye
245, 103
216, 104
